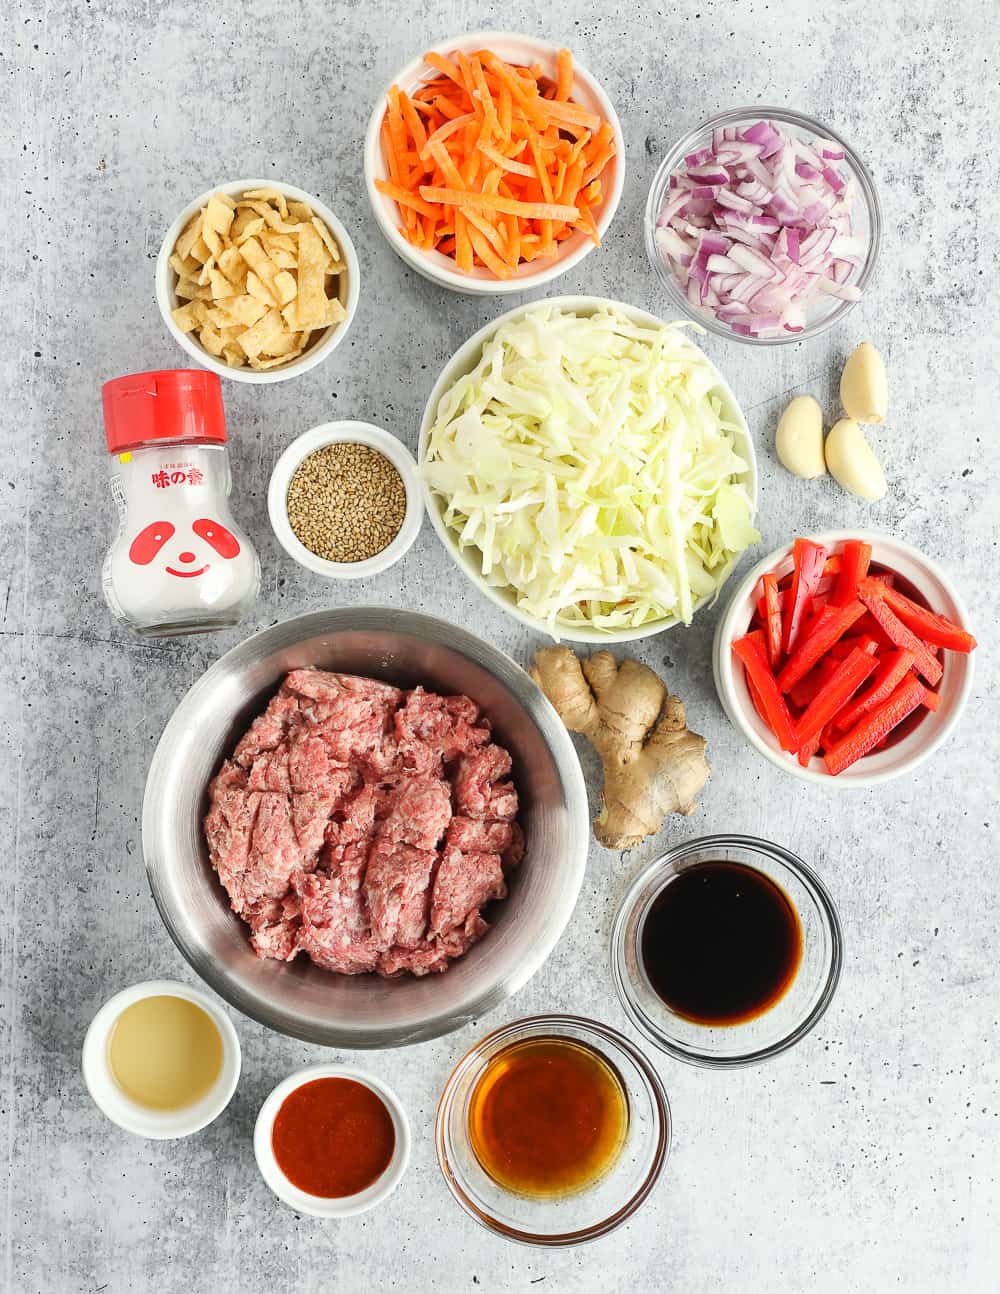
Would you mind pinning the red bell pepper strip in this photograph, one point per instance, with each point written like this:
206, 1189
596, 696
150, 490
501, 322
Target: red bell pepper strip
831, 626
928, 625
853, 567
809, 560
825, 586
874, 727
758, 637
772, 620
774, 707
815, 611
890, 674
831, 567
806, 688
758, 704
832, 697
842, 649
874, 596
869, 626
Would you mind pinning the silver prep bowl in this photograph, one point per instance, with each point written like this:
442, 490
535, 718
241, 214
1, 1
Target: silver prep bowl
298, 998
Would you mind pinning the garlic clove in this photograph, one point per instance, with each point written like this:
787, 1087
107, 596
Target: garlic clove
852, 461
864, 386
799, 439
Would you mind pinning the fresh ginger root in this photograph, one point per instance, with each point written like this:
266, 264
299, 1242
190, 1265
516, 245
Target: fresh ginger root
653, 765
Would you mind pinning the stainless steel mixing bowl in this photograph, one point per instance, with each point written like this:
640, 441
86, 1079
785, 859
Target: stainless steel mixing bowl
297, 998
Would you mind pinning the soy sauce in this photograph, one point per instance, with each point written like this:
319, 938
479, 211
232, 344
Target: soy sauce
721, 943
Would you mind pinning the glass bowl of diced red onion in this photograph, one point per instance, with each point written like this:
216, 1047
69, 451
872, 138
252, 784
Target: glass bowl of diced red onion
763, 225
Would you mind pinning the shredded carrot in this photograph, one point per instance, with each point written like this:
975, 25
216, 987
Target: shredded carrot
442, 65
570, 114
505, 112
506, 163
443, 158
485, 98
487, 202
492, 235
445, 131
488, 256
587, 223
392, 161
564, 83
406, 199
494, 165
413, 123
447, 108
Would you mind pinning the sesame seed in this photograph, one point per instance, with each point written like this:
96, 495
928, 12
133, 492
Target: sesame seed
346, 502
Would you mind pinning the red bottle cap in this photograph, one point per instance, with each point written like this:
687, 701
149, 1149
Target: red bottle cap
180, 404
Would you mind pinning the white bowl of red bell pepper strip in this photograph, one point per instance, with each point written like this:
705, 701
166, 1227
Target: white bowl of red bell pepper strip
845, 658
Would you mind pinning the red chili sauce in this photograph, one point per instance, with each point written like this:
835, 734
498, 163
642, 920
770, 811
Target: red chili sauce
333, 1137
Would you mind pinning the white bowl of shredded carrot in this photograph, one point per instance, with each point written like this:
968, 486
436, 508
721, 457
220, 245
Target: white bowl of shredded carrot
494, 163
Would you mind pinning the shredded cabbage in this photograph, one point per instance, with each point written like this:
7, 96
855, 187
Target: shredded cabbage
590, 462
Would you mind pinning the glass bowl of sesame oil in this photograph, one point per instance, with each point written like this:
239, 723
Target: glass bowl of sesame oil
553, 1130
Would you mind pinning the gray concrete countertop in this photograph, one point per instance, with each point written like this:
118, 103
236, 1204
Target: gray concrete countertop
865, 1159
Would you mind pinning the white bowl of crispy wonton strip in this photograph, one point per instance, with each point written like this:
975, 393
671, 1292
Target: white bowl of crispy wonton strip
321, 342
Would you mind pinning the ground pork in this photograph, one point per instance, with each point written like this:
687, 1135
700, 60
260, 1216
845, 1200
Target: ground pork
364, 826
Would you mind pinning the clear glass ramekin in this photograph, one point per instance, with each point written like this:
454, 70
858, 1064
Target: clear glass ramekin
867, 221
570, 1219
791, 1017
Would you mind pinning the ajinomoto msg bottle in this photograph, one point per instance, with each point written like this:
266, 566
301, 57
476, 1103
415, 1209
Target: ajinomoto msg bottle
180, 564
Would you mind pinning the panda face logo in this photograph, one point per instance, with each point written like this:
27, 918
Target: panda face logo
154, 538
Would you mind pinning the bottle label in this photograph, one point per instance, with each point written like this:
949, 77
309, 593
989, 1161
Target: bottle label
179, 557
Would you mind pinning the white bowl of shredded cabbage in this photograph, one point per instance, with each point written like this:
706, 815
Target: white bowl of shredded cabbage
589, 468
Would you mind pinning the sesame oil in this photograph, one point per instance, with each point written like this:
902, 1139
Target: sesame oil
548, 1117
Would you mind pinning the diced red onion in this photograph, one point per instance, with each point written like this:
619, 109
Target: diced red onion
698, 158
756, 226
726, 199
846, 291
709, 174
670, 242
834, 179
719, 264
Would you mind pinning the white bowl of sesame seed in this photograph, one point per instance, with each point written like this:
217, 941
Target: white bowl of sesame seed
345, 500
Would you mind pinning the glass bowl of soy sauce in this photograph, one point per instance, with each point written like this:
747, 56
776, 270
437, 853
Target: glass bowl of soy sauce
726, 951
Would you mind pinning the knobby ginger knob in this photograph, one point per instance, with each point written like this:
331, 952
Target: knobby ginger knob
864, 387
799, 440
852, 462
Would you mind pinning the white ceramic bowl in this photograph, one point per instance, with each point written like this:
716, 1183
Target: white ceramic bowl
320, 1206
462, 362
935, 727
158, 1125
355, 433
523, 50
325, 343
